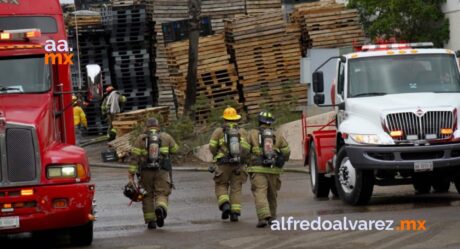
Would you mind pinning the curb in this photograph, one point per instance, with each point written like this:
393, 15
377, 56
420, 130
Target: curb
193, 169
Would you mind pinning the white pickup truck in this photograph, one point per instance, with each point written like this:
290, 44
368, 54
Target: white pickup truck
397, 122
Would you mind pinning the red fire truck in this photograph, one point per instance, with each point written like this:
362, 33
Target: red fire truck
44, 177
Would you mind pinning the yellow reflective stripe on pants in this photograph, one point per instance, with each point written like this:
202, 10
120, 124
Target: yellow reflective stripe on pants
132, 169
150, 216
236, 208
163, 205
174, 148
164, 150
267, 170
263, 213
213, 143
223, 199
139, 152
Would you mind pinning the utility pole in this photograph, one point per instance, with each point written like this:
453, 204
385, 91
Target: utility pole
190, 95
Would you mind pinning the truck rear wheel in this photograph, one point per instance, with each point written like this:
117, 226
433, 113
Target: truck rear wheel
441, 183
320, 185
82, 235
354, 186
422, 183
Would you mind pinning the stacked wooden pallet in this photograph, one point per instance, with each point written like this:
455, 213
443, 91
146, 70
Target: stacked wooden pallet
84, 18
261, 6
127, 121
125, 3
217, 77
219, 10
326, 24
122, 145
267, 54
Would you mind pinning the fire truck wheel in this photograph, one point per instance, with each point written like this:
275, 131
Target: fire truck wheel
354, 186
422, 184
320, 185
82, 235
441, 183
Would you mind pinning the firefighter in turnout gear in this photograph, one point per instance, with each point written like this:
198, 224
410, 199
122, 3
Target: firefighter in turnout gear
151, 161
230, 149
79, 119
269, 151
111, 105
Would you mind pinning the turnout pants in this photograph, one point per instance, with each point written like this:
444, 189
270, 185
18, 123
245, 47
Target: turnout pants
157, 184
229, 181
264, 187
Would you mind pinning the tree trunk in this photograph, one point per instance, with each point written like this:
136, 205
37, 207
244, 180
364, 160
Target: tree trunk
190, 95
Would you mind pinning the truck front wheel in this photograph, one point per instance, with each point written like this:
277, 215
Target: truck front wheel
320, 185
82, 235
354, 186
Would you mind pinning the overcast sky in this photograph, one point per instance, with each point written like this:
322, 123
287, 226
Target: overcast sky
66, 1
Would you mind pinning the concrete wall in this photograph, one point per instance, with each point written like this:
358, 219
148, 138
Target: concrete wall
452, 11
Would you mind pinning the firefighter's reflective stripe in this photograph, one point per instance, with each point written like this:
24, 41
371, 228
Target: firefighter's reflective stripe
139, 151
256, 150
213, 143
163, 205
267, 170
174, 148
132, 169
150, 216
221, 141
285, 150
164, 150
263, 212
219, 155
223, 199
245, 144
236, 208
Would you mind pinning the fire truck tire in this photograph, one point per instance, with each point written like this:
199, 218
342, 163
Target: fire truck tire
320, 185
441, 183
422, 183
82, 235
354, 186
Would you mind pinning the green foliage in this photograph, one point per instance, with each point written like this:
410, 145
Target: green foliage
404, 20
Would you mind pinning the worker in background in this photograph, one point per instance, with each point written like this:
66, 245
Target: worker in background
79, 119
269, 151
111, 105
151, 161
230, 149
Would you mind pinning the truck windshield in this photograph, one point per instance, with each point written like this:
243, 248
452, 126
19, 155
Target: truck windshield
46, 24
24, 75
373, 76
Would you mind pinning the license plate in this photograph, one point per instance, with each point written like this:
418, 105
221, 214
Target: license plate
9, 222
423, 166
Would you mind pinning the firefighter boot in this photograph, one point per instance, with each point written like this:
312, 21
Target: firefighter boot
225, 208
151, 225
262, 223
234, 217
160, 212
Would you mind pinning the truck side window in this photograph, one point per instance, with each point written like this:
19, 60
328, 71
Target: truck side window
341, 79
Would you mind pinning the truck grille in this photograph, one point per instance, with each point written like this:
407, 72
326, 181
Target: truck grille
425, 127
20, 155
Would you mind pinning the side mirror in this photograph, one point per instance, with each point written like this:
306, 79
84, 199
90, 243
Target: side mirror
457, 53
318, 99
94, 81
318, 82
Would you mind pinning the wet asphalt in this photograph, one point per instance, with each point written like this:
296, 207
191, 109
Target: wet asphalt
194, 220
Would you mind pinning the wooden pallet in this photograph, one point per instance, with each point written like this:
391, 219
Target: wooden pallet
267, 53
326, 24
127, 121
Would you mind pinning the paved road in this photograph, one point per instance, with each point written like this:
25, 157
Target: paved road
194, 221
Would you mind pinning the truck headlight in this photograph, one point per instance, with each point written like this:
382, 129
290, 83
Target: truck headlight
369, 139
61, 171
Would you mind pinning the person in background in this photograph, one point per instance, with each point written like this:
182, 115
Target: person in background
79, 119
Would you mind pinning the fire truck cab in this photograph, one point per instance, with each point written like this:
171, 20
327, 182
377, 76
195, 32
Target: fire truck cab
396, 122
44, 177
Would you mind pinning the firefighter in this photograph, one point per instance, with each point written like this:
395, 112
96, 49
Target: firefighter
151, 160
269, 151
79, 119
230, 149
111, 105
